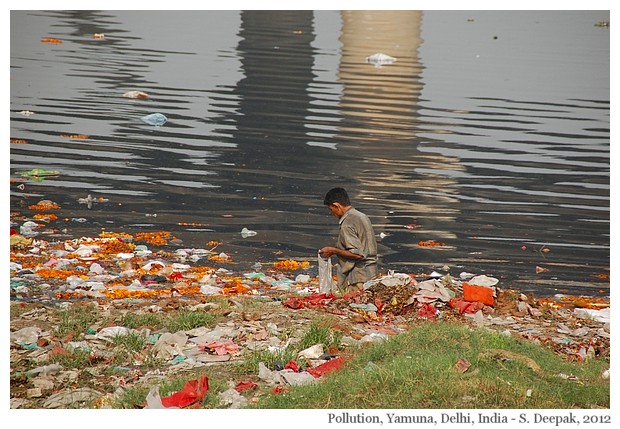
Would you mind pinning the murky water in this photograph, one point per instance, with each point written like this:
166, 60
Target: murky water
488, 133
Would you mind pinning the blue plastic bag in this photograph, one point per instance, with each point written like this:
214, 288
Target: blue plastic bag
156, 119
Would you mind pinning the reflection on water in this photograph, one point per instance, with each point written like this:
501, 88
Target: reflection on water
267, 110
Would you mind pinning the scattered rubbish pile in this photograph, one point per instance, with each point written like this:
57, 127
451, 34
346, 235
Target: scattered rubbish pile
134, 276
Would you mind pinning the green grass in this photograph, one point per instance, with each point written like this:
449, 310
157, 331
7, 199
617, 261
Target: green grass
416, 370
184, 319
76, 320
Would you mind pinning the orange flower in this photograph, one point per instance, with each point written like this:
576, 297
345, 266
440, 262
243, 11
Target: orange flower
116, 235
430, 243
48, 216
74, 136
115, 246
18, 141
59, 274
51, 40
156, 238
291, 265
190, 224
44, 205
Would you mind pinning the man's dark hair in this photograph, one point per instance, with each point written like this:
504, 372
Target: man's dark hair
337, 195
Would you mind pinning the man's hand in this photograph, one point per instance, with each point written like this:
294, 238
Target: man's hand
327, 251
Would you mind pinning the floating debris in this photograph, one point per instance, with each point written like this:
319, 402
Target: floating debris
380, 59
156, 119
51, 40
136, 94
245, 233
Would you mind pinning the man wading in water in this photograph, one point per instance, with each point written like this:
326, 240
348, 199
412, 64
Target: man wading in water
356, 248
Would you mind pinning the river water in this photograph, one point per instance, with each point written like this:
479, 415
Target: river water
489, 133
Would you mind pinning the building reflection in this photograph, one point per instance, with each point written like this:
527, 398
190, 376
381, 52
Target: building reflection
380, 116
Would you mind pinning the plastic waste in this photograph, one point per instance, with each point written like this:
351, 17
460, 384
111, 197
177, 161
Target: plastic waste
312, 352
473, 293
136, 94
192, 393
245, 233
67, 398
326, 280
297, 378
39, 172
45, 370
327, 367
380, 59
108, 333
156, 119
603, 315
232, 399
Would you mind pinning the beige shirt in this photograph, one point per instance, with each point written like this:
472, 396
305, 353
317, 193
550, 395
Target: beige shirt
356, 235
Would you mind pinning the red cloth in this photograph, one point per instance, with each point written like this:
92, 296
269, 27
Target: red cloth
317, 300
192, 393
427, 310
292, 365
465, 306
245, 385
175, 276
327, 367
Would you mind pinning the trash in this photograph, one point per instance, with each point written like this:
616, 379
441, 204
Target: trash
302, 278
297, 378
45, 370
473, 293
136, 94
244, 385
221, 348
69, 398
327, 367
427, 310
89, 200
312, 352
26, 335
39, 172
326, 280
462, 365
245, 233
110, 332
232, 398
192, 394
169, 345
153, 399
156, 119
483, 280
380, 59
603, 315
373, 337
365, 307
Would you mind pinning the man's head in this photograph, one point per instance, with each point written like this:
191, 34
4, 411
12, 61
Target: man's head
337, 201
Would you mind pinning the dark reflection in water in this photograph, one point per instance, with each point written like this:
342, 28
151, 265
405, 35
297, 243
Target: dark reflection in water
267, 110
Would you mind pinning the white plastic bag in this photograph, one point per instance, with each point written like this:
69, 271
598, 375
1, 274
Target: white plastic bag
326, 281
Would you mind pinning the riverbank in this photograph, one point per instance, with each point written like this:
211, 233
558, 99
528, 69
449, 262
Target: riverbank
122, 310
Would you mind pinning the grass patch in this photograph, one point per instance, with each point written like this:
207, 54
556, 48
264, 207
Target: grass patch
182, 320
416, 369
76, 320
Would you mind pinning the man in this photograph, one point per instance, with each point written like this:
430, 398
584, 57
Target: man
356, 248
